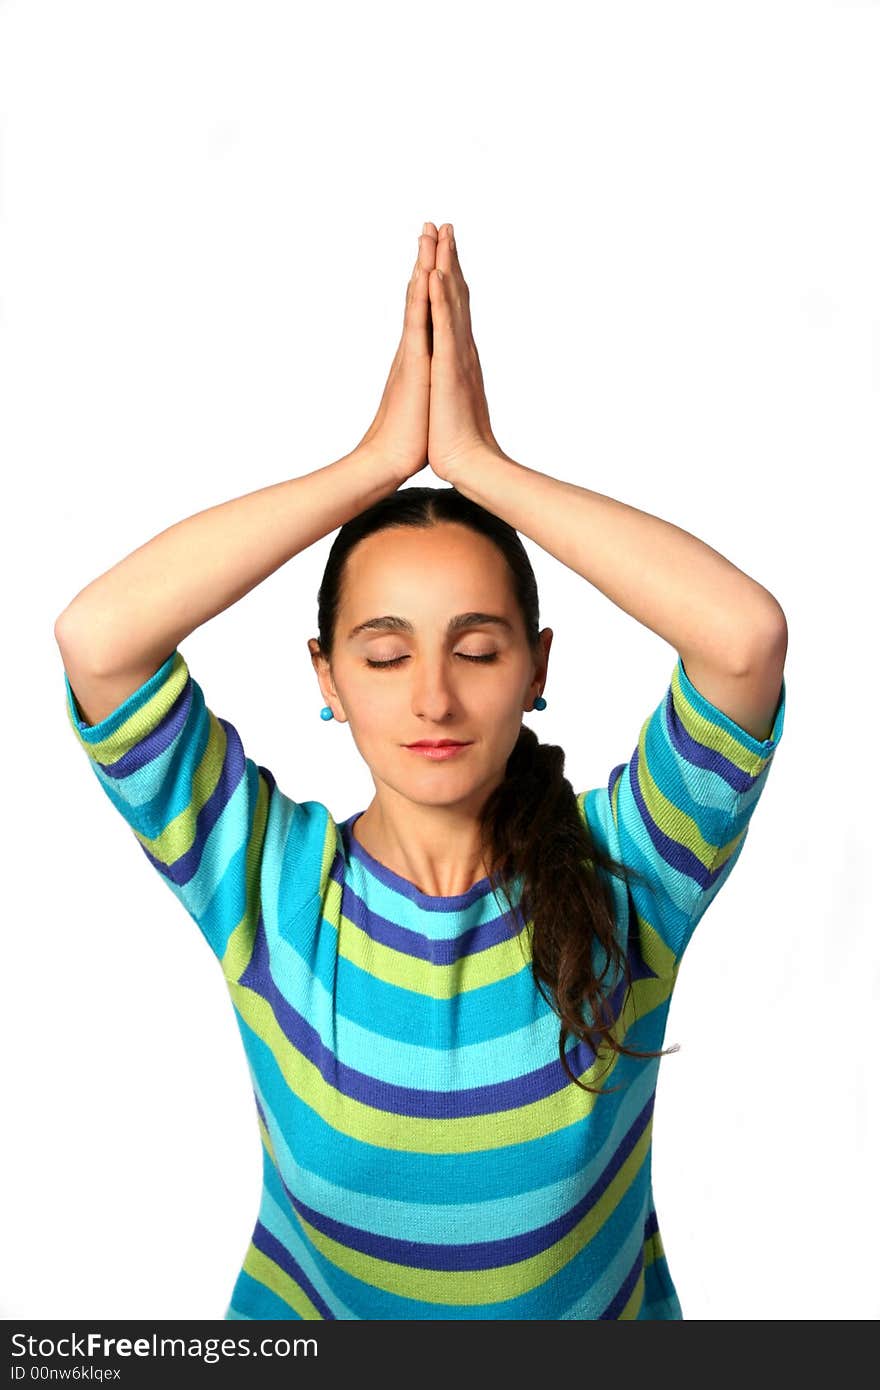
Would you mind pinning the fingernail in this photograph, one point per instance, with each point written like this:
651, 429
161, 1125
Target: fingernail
424, 228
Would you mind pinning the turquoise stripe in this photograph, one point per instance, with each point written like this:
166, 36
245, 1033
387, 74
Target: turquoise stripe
273, 1217
137, 797
313, 977
292, 854
661, 1300
625, 1248
386, 1056
700, 792
254, 1301
436, 926
507, 1172
218, 883
445, 1220
481, 1014
595, 1270
654, 902
723, 721
96, 733
300, 828
746, 803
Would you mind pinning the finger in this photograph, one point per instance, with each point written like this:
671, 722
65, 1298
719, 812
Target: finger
445, 257
428, 260
416, 322
428, 246
448, 289
442, 318
424, 260
447, 260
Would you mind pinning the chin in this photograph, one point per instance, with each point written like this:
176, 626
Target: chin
437, 785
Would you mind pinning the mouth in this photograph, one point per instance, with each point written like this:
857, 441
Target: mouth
438, 743
439, 751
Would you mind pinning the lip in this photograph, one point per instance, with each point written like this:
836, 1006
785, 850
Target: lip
439, 751
438, 743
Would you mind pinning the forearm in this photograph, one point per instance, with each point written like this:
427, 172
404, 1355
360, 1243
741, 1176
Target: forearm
144, 606
661, 575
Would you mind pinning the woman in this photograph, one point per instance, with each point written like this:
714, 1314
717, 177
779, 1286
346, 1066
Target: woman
453, 1003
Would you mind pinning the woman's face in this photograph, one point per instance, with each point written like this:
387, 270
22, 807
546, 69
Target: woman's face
413, 585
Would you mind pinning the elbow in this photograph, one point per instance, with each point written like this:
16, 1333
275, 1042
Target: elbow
777, 628
767, 640
61, 623
73, 634
64, 628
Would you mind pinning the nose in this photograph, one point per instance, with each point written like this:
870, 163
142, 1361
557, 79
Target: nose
433, 690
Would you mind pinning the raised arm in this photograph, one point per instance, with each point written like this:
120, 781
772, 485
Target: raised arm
124, 624
729, 631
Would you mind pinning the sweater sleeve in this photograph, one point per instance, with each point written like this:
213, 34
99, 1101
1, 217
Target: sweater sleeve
212, 823
679, 811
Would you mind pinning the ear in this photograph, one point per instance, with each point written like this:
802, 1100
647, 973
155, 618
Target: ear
545, 637
325, 679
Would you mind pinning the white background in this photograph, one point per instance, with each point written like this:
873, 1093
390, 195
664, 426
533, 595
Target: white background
669, 218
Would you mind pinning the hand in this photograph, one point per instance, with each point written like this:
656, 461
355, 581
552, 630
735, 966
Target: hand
459, 416
399, 432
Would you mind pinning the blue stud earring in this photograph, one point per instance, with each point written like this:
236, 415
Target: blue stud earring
326, 712
540, 702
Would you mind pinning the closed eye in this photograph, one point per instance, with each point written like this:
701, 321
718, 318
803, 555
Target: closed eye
465, 656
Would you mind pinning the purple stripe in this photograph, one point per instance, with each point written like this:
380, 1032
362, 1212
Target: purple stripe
671, 851
651, 1224
234, 767
268, 777
427, 901
691, 751
445, 951
391, 1098
405, 1100
267, 1244
696, 753
621, 1298
449, 949
490, 1254
615, 773
639, 969
156, 741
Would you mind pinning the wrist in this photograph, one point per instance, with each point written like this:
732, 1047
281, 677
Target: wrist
470, 464
375, 464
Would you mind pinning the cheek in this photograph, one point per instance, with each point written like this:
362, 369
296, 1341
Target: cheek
504, 696
373, 712
373, 705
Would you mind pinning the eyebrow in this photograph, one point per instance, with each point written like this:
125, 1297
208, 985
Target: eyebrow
390, 623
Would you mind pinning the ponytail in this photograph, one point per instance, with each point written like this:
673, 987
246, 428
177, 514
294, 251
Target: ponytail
531, 827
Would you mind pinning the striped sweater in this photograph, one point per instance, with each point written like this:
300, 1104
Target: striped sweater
425, 1154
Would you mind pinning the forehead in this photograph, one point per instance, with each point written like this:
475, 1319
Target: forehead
407, 569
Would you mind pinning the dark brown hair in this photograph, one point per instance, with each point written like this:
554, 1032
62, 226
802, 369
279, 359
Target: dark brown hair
530, 823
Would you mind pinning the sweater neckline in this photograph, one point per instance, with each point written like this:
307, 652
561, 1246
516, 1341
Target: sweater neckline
432, 902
